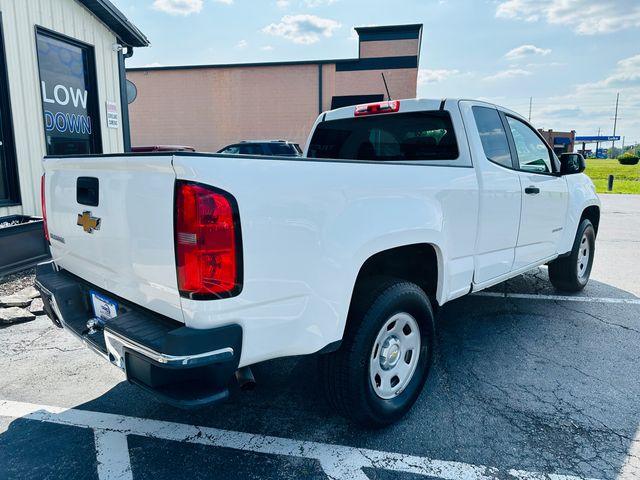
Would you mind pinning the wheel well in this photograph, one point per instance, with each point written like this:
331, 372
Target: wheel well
415, 263
593, 214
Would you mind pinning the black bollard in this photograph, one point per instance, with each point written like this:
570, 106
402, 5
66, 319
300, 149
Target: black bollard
610, 186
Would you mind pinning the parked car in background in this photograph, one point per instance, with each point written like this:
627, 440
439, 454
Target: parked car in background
162, 148
280, 148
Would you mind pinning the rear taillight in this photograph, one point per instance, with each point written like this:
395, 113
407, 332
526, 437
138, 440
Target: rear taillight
208, 243
391, 106
44, 209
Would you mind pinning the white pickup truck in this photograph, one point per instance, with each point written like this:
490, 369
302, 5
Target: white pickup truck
184, 269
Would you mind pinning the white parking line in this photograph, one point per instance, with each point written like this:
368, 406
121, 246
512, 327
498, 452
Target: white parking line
112, 451
337, 461
562, 298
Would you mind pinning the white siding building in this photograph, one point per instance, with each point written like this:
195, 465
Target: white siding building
62, 89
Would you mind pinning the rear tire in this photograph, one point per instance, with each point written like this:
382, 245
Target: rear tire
571, 273
378, 372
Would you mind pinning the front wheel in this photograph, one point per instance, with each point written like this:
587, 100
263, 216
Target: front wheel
379, 371
571, 273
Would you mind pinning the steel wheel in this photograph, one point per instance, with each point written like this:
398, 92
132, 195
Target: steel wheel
570, 273
583, 257
394, 355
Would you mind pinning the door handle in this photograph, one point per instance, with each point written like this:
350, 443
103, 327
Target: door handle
532, 190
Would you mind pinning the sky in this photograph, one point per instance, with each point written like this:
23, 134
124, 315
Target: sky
571, 57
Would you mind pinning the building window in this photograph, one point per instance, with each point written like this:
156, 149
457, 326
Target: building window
69, 95
9, 189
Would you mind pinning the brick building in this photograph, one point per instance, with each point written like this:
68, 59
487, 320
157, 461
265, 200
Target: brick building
561, 142
210, 106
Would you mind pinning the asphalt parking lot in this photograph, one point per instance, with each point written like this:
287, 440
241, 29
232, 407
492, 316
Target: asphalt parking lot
526, 384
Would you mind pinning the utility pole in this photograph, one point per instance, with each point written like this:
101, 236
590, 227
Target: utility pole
597, 143
615, 124
530, 104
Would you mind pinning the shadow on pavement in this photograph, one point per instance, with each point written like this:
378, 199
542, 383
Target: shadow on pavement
544, 386
537, 282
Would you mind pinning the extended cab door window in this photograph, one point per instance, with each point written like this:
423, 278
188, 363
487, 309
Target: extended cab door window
493, 136
533, 154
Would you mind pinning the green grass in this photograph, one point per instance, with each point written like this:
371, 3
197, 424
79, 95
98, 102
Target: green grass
626, 177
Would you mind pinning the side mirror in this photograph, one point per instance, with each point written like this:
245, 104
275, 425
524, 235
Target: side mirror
571, 163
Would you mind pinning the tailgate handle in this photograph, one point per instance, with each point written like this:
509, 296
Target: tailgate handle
87, 191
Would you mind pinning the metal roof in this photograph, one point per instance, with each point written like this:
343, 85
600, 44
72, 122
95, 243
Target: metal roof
113, 18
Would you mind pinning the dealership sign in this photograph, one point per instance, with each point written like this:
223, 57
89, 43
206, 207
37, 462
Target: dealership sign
55, 118
597, 138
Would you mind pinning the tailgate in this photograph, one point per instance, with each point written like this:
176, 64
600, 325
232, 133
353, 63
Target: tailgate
125, 240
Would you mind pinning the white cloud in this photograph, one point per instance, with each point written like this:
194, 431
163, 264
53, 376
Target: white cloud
435, 76
631, 63
508, 74
282, 3
178, 7
318, 3
266, 48
587, 107
302, 29
545, 65
526, 51
625, 75
242, 44
226, 2
557, 112
585, 17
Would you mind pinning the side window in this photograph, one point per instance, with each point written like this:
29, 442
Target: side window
250, 150
533, 153
234, 150
493, 136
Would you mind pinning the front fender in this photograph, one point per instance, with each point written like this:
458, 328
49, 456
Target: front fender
582, 194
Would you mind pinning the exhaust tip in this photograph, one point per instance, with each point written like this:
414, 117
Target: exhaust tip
245, 379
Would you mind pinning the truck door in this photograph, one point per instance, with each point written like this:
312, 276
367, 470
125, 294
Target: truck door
500, 192
544, 195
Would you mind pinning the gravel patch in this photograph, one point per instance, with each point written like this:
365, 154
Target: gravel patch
12, 315
13, 283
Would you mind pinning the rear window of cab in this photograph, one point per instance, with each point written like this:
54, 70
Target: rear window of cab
407, 136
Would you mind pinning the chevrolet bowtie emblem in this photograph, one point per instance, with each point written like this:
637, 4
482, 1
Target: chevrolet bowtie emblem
88, 223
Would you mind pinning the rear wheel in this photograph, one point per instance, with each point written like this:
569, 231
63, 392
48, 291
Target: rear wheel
379, 371
571, 273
